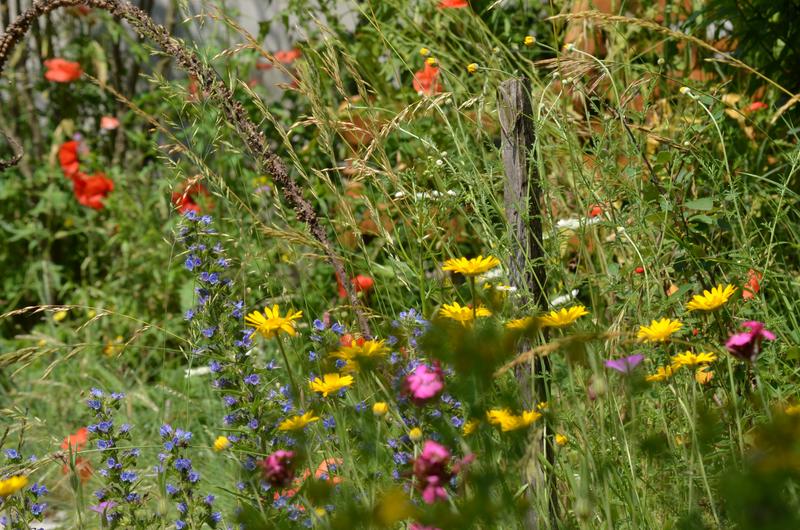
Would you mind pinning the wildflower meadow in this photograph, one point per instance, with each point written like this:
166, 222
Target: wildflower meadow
425, 264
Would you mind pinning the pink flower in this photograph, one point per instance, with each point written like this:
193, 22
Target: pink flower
626, 364
109, 123
103, 507
424, 383
278, 468
431, 471
747, 345
417, 526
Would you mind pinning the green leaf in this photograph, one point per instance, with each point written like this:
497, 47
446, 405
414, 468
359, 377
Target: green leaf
702, 219
705, 204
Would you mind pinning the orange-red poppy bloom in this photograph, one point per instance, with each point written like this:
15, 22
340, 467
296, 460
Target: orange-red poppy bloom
91, 190
426, 81
752, 285
595, 210
77, 441
326, 468
283, 57
82, 467
360, 283
62, 71
186, 201
288, 56
452, 4
68, 158
347, 340
757, 105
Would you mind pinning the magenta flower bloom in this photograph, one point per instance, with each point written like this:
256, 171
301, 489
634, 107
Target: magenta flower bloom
103, 506
626, 364
278, 468
431, 471
418, 526
747, 345
424, 384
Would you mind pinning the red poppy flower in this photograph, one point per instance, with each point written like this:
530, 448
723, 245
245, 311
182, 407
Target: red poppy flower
91, 190
360, 283
595, 210
193, 88
452, 4
77, 441
82, 467
282, 56
639, 270
348, 340
68, 158
757, 105
326, 468
62, 71
288, 56
186, 201
752, 285
426, 81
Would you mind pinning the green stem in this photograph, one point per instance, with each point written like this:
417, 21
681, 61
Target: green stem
295, 388
474, 297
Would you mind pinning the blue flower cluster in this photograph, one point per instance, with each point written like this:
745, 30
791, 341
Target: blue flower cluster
181, 481
223, 342
119, 502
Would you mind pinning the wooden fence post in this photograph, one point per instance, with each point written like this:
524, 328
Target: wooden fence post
522, 199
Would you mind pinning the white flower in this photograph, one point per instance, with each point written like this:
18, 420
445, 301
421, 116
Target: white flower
575, 223
202, 370
564, 298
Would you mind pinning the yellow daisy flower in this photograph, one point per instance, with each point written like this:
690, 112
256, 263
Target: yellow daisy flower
509, 421
561, 440
472, 68
470, 426
471, 267
662, 374
463, 314
330, 383
562, 318
520, 323
369, 348
296, 423
12, 485
271, 322
221, 443
380, 408
709, 301
692, 359
792, 410
658, 330
703, 375
530, 40
415, 434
